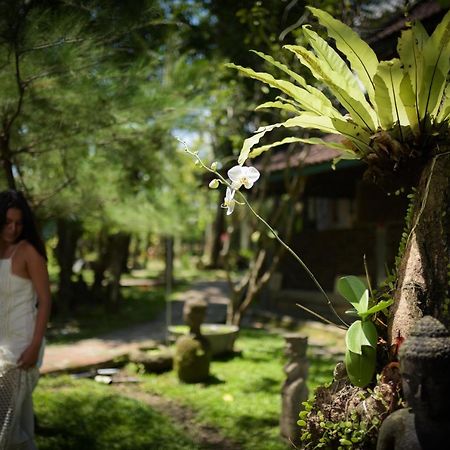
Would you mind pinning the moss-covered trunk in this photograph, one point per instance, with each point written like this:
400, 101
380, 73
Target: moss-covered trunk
423, 273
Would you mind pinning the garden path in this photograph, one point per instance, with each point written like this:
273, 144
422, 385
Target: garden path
103, 349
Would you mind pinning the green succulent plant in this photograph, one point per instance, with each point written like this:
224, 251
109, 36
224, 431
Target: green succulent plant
362, 336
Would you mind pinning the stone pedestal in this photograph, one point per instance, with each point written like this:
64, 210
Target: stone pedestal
294, 390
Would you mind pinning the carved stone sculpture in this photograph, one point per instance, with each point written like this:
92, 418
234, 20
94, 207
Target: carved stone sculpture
294, 390
192, 352
425, 369
194, 312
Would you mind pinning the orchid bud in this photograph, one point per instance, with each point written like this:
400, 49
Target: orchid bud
214, 184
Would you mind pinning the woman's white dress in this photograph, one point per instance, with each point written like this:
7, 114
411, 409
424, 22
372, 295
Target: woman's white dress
17, 320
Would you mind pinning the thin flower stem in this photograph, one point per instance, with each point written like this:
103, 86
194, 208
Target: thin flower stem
275, 234
318, 315
297, 258
195, 155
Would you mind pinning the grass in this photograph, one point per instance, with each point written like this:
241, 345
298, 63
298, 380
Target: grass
207, 329
81, 414
243, 396
242, 399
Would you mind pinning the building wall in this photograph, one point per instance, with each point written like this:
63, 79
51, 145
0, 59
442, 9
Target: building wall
333, 253
360, 220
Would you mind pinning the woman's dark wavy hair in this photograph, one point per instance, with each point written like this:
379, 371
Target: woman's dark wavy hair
15, 199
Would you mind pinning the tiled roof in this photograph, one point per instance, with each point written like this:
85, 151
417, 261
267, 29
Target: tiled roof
422, 11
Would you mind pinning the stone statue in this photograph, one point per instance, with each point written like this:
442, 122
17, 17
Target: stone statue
294, 390
192, 352
194, 312
425, 369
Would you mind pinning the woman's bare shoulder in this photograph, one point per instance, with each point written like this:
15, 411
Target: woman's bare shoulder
28, 250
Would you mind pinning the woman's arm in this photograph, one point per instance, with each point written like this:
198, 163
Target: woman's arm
37, 269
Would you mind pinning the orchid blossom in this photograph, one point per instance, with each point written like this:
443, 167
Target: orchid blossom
229, 202
243, 176
247, 176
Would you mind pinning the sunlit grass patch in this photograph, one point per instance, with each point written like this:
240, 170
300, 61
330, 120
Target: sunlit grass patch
243, 395
81, 414
242, 399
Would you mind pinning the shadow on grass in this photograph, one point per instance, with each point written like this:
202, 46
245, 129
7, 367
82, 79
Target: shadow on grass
213, 381
84, 416
229, 356
256, 423
264, 384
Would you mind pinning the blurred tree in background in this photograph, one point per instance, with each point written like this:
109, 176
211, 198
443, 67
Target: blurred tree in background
95, 95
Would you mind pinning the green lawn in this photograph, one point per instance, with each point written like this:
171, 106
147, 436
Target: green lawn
241, 399
84, 415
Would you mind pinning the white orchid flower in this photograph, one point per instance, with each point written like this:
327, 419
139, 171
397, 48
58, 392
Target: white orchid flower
229, 202
243, 175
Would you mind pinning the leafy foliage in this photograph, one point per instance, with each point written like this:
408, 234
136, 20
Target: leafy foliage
385, 111
351, 432
361, 338
406, 229
92, 99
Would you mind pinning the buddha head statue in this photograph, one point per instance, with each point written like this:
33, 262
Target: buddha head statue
194, 313
425, 369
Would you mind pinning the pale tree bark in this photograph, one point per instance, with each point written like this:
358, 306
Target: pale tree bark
423, 273
246, 290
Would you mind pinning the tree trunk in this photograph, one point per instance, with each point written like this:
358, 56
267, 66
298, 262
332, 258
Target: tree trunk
6, 162
243, 296
136, 260
68, 234
218, 228
119, 244
423, 279
269, 251
168, 261
100, 265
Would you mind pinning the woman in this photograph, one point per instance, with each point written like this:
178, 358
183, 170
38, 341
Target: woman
24, 311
